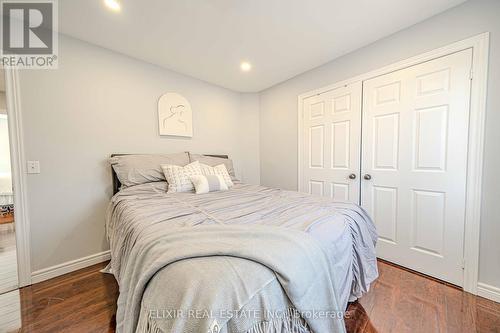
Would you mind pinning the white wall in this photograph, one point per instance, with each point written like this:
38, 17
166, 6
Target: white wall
279, 107
248, 127
99, 102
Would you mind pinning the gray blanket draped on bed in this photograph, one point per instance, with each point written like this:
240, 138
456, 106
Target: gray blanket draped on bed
297, 260
248, 248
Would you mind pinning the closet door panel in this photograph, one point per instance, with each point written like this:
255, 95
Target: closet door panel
415, 125
331, 139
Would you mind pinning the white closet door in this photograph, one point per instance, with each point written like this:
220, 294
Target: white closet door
415, 134
331, 133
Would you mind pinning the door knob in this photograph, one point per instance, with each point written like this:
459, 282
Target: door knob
367, 177
352, 176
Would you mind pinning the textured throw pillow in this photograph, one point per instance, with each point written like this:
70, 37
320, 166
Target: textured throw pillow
144, 168
178, 177
217, 170
213, 161
209, 183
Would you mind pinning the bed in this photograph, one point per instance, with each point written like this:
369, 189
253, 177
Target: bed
251, 259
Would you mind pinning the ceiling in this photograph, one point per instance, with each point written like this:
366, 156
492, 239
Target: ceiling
208, 39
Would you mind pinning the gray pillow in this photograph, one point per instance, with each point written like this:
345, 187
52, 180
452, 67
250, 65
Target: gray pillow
213, 161
140, 169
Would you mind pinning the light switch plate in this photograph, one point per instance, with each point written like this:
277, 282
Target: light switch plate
33, 166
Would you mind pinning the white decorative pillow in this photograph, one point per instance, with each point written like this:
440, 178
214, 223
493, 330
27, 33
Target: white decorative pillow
217, 170
178, 177
209, 183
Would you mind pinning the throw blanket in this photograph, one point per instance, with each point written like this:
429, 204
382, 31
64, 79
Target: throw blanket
298, 261
258, 246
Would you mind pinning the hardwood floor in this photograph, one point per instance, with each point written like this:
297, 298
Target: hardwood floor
82, 301
8, 258
400, 301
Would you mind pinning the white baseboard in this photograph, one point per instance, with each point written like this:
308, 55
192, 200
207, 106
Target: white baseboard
488, 291
68, 267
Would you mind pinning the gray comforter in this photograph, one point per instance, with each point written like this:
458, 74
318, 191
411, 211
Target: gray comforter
260, 260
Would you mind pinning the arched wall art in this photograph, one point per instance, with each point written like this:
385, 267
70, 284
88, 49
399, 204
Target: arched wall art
175, 116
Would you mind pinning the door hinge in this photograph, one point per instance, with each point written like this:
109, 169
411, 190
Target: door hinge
463, 263
471, 74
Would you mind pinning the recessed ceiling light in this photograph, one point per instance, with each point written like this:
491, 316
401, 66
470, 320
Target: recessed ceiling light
245, 66
114, 5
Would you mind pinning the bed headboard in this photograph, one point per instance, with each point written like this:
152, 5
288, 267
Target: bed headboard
116, 181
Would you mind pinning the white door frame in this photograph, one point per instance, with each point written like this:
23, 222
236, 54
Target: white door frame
18, 161
479, 76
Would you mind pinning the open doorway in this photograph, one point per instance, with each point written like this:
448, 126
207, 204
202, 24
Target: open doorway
8, 255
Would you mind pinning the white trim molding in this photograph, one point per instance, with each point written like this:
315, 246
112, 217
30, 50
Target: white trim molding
69, 266
488, 291
475, 159
480, 48
18, 161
